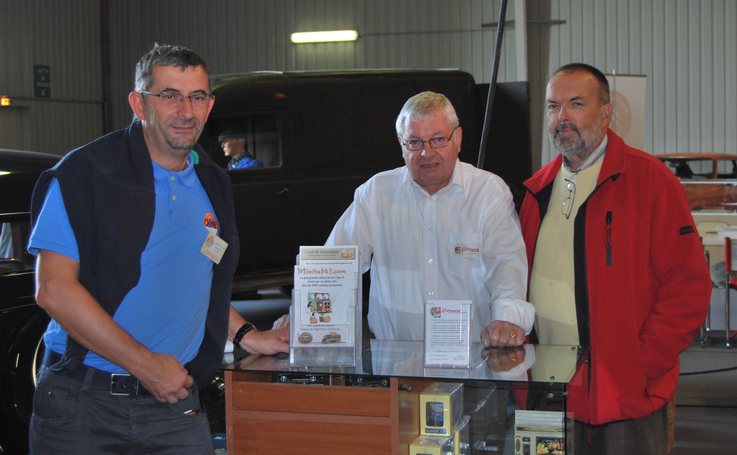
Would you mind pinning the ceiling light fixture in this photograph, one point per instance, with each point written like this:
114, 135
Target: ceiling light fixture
324, 37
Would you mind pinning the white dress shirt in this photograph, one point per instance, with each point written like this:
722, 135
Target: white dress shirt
461, 243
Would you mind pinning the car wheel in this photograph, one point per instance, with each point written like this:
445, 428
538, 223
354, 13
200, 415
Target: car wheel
22, 361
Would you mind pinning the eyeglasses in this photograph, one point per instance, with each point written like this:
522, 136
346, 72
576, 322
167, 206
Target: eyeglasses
170, 98
568, 203
435, 142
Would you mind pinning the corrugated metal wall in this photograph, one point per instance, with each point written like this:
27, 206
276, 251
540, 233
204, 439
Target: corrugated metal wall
687, 49
237, 36
65, 37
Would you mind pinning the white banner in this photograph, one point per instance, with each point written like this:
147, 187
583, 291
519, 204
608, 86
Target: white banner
628, 99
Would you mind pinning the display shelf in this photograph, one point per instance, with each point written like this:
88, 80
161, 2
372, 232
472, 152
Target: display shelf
373, 408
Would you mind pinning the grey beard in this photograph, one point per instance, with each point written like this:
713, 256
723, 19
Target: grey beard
573, 147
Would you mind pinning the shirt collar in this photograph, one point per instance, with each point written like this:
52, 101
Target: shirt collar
455, 184
588, 162
186, 176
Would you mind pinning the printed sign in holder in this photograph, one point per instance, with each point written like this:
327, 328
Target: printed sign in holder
326, 312
448, 336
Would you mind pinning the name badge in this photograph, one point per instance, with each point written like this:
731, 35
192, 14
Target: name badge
214, 247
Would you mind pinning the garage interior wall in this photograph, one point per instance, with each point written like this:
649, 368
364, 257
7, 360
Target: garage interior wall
65, 37
687, 50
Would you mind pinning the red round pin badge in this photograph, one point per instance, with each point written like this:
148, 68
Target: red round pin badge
211, 222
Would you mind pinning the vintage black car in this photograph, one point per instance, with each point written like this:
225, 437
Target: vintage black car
22, 322
321, 134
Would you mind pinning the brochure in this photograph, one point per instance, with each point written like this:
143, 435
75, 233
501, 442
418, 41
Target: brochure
326, 307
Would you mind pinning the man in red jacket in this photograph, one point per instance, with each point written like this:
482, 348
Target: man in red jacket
615, 264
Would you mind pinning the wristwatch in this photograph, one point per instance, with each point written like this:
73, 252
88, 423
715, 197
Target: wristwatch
245, 328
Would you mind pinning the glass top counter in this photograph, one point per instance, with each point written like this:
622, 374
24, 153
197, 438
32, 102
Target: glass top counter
546, 364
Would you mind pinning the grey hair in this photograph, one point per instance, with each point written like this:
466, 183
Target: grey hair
166, 55
424, 104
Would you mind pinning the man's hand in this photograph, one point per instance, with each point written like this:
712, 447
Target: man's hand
503, 359
59, 292
502, 333
268, 343
166, 378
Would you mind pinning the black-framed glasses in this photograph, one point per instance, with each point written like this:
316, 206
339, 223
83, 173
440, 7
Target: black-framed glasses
568, 202
171, 98
435, 142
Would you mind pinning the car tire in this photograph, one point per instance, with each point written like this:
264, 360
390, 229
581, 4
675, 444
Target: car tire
21, 362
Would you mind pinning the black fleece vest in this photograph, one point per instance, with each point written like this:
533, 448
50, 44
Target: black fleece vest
108, 192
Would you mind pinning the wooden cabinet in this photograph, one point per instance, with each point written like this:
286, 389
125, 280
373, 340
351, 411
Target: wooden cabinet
267, 417
374, 408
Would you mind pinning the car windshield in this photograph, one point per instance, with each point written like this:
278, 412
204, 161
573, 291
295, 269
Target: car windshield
695, 168
726, 168
13, 237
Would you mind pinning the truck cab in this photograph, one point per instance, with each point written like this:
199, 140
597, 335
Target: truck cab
320, 135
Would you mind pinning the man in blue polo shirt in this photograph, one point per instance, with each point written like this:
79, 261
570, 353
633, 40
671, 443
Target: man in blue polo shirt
136, 241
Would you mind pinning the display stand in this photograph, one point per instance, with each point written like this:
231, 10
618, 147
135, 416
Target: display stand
326, 312
448, 333
374, 408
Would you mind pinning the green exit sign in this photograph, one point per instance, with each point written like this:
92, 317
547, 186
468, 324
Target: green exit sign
41, 81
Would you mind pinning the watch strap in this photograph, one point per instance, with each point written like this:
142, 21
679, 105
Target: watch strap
245, 328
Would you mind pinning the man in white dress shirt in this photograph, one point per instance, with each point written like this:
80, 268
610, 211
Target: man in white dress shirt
438, 229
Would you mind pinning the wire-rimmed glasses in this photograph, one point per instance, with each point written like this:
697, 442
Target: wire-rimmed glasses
172, 98
568, 202
414, 145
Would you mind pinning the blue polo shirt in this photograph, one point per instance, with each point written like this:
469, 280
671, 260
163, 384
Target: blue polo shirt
166, 311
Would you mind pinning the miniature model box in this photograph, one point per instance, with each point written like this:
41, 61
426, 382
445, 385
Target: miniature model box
458, 444
431, 445
441, 408
539, 432
325, 316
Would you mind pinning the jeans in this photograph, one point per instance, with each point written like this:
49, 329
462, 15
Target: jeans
71, 417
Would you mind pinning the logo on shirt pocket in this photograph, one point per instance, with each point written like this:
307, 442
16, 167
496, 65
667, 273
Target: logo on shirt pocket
466, 244
465, 255
466, 249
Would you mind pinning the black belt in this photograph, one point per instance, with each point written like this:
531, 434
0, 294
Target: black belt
122, 384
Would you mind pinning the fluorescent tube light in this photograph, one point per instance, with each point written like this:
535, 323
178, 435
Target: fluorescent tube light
324, 37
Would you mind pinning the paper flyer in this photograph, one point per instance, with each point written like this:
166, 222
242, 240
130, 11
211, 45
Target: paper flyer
448, 333
325, 296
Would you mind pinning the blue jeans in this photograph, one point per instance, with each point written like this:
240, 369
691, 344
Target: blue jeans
71, 417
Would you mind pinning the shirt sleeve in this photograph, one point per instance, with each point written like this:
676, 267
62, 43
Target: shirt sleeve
506, 265
52, 230
353, 229
684, 283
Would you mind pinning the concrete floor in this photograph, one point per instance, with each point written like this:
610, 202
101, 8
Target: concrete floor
706, 400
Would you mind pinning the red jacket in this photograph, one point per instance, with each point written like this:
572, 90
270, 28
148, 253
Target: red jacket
642, 284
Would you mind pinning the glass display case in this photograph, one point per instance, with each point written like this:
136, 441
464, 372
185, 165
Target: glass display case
382, 405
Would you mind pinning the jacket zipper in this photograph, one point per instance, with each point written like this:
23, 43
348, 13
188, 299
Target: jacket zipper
608, 238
